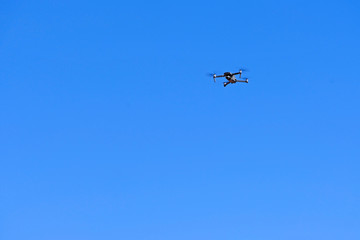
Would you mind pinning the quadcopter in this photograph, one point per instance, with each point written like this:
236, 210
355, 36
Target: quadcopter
230, 77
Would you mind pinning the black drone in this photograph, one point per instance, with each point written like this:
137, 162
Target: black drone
231, 77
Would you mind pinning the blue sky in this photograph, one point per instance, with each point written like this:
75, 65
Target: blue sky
110, 128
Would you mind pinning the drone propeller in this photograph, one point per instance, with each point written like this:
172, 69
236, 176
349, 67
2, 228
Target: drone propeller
212, 75
243, 70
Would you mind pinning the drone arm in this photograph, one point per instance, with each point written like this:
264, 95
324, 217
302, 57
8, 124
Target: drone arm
237, 73
244, 81
217, 76
240, 72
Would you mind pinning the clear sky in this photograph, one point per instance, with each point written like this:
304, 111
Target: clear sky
111, 129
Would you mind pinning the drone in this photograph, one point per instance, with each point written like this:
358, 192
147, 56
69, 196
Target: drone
231, 77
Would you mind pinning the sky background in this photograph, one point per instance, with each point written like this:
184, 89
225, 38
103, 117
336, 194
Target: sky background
111, 129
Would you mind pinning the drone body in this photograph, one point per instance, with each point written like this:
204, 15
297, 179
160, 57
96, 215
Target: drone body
230, 77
